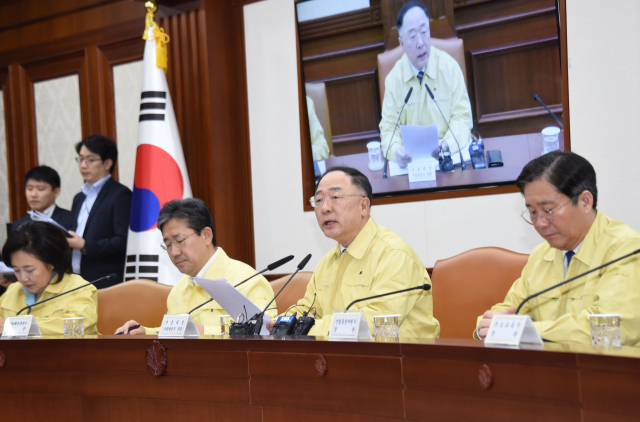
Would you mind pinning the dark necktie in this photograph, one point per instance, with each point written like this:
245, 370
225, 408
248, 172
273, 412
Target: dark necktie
420, 76
568, 255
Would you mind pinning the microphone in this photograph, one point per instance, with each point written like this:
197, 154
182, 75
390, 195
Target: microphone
421, 287
535, 97
384, 174
68, 291
270, 267
464, 166
573, 278
258, 318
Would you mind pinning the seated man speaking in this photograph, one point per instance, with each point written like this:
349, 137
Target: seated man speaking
189, 238
560, 194
423, 64
368, 260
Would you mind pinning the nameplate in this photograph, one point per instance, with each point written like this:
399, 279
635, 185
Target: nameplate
178, 326
512, 330
422, 171
349, 325
23, 326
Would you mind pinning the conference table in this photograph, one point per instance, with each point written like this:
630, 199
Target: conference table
143, 378
516, 150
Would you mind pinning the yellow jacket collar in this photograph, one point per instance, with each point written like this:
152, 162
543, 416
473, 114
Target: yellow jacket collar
361, 243
588, 244
216, 269
431, 70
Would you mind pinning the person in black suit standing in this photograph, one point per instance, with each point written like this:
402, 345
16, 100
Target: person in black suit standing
42, 187
100, 214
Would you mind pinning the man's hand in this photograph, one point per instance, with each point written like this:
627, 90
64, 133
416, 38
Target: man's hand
125, 328
5, 282
402, 158
270, 325
485, 322
76, 242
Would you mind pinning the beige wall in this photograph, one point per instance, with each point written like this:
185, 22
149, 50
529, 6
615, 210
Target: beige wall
603, 89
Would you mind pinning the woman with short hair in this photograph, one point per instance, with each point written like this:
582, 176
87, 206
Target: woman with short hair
41, 258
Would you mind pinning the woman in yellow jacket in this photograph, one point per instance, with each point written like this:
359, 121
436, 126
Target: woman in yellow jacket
41, 258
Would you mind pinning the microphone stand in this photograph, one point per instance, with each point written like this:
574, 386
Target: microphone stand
422, 287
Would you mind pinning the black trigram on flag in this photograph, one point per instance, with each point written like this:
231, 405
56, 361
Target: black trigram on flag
153, 105
142, 266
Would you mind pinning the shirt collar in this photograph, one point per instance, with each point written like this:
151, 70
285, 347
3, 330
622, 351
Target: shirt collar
205, 268
361, 243
48, 212
88, 187
431, 69
415, 69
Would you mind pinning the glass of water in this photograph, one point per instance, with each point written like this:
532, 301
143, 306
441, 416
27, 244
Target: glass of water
225, 324
73, 327
605, 330
386, 325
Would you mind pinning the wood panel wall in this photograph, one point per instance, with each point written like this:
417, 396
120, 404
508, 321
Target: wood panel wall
206, 77
511, 49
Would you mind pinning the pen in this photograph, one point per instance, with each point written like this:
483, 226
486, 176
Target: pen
130, 328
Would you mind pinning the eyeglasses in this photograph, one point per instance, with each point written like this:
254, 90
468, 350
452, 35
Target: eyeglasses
89, 161
545, 215
179, 243
334, 198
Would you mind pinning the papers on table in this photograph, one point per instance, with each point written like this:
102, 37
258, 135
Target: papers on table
232, 301
395, 170
43, 217
420, 142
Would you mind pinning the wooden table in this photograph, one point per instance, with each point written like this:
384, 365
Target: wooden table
266, 379
517, 151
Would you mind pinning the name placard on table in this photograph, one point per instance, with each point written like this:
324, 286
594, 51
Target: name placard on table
512, 330
423, 171
23, 326
349, 325
178, 326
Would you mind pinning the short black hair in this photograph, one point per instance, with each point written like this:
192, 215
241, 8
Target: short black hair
101, 145
408, 6
569, 173
193, 210
358, 180
45, 241
43, 174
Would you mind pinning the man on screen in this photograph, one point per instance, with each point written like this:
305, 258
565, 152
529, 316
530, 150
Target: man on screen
423, 64
560, 194
190, 241
367, 260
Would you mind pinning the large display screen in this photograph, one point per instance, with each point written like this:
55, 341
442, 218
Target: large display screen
424, 104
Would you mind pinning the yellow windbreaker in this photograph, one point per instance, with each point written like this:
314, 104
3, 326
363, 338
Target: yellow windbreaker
319, 145
81, 303
185, 295
376, 262
562, 314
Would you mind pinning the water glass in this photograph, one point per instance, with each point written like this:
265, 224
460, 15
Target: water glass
550, 138
73, 327
225, 324
375, 155
605, 330
386, 325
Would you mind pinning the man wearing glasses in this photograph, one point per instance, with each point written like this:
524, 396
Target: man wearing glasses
367, 260
423, 64
190, 240
560, 194
100, 214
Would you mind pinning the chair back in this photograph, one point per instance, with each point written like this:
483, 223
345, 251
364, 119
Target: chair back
318, 93
294, 291
467, 285
142, 300
453, 46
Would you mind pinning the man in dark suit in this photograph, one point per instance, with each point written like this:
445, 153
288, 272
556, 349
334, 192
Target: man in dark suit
42, 187
100, 214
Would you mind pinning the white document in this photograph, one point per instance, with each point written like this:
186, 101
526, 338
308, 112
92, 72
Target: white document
232, 301
395, 170
6, 271
44, 217
421, 143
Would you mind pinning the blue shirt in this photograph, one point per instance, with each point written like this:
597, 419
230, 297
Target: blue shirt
31, 298
91, 194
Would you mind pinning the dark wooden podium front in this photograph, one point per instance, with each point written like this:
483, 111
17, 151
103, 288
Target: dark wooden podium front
265, 379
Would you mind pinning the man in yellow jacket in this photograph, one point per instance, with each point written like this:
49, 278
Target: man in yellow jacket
189, 238
367, 260
319, 145
560, 194
423, 64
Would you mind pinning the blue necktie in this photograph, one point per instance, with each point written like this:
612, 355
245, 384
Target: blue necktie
568, 255
420, 76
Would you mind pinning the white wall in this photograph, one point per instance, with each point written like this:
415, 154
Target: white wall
603, 82
316, 9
